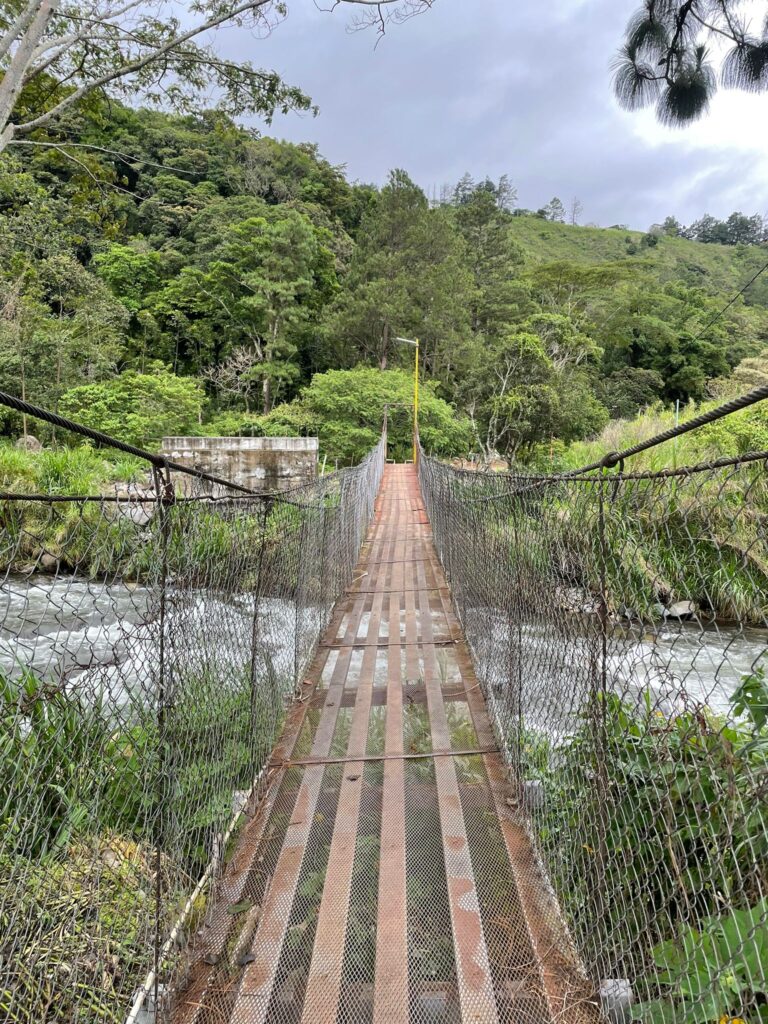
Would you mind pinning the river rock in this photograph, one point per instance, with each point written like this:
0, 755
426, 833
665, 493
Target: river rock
48, 562
28, 443
576, 600
681, 610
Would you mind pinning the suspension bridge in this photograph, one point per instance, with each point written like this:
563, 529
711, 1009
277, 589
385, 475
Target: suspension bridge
409, 744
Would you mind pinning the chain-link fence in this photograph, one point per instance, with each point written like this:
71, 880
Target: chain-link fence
618, 624
149, 646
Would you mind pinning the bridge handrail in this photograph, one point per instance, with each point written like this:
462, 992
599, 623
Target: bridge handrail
619, 629
150, 648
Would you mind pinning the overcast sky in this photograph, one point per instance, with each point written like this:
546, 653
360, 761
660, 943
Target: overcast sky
510, 86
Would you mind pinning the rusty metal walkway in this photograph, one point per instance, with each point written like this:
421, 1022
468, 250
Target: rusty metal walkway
387, 877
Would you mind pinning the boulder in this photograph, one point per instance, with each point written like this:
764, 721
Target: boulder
681, 610
28, 443
48, 562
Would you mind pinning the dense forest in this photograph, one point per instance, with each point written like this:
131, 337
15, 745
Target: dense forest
165, 274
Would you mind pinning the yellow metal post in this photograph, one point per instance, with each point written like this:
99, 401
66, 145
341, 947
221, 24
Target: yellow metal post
415, 401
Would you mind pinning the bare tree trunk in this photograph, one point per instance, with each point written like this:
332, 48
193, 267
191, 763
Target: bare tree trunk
384, 347
23, 397
13, 80
266, 392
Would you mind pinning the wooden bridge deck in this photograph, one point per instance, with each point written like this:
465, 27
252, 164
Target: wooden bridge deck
387, 877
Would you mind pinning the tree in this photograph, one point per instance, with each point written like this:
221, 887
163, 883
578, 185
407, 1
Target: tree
707, 229
672, 227
493, 258
665, 59
259, 287
139, 408
59, 326
517, 397
738, 229
130, 273
237, 375
408, 274
576, 210
744, 230
345, 408
54, 53
628, 391
669, 331
506, 194
555, 211
465, 189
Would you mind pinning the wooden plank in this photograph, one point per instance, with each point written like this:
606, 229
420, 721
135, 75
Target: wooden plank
390, 1004
473, 970
321, 1002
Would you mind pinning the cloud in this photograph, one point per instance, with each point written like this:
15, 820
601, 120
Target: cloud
519, 87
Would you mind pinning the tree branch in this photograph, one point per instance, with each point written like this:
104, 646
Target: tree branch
135, 65
18, 28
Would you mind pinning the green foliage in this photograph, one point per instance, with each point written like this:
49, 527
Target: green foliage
87, 918
534, 384
666, 59
345, 408
710, 972
751, 698
744, 431
62, 748
139, 408
696, 538
680, 823
129, 272
251, 265
80, 806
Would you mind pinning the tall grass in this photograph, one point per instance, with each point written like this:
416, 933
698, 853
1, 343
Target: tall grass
741, 432
64, 471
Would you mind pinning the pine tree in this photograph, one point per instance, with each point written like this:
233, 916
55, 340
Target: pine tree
665, 59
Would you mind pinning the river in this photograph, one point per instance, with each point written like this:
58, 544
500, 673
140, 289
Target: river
682, 664
102, 639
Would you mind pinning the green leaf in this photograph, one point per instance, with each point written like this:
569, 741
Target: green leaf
239, 908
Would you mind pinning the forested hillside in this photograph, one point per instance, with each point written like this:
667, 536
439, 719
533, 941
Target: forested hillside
169, 274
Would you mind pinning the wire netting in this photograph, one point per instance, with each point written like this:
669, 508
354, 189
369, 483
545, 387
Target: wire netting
149, 648
618, 625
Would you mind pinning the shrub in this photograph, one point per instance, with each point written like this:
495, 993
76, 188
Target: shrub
139, 408
669, 854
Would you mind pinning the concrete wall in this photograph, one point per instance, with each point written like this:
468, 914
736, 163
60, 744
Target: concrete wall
260, 463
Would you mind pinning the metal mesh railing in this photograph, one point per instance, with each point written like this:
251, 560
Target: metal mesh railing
619, 629
149, 647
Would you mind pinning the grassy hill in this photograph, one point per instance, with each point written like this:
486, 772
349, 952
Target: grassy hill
715, 268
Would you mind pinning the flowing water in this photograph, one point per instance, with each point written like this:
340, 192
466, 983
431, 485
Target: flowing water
682, 665
102, 639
